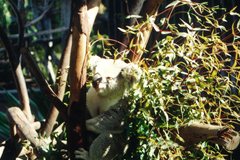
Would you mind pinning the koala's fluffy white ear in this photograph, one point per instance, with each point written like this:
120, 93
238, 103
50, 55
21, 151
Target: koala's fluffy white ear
131, 73
93, 61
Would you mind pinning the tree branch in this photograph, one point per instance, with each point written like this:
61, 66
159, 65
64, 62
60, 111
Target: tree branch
149, 9
41, 16
93, 7
61, 81
16, 66
78, 53
43, 84
194, 132
20, 24
76, 129
40, 33
25, 127
17, 74
133, 8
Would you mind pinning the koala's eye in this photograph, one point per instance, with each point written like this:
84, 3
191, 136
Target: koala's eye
109, 78
96, 80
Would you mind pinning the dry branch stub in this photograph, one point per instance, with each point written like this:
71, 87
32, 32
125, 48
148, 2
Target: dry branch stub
195, 132
25, 128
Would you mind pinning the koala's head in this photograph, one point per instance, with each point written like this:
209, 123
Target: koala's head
113, 77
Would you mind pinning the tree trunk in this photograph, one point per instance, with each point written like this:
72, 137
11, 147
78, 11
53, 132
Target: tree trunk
78, 71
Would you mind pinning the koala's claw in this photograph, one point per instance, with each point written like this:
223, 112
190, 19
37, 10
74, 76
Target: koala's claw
81, 153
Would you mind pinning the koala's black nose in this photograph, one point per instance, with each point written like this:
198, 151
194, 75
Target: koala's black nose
96, 80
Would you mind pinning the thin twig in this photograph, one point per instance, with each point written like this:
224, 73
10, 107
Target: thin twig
50, 31
40, 17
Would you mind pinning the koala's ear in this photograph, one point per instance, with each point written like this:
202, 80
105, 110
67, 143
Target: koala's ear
131, 73
93, 61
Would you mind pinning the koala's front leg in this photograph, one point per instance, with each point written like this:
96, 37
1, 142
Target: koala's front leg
81, 154
111, 121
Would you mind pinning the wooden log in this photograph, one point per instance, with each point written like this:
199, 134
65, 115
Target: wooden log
195, 132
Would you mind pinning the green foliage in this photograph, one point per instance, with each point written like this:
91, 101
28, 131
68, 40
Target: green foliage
40, 57
57, 145
104, 45
190, 77
5, 15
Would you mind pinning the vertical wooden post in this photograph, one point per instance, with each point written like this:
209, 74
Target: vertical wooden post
78, 71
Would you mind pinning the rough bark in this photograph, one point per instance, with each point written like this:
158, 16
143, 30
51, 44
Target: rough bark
79, 51
93, 7
78, 71
195, 132
25, 127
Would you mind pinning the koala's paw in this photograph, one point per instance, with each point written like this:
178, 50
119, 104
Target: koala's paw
81, 153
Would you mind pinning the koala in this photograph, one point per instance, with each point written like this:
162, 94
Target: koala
111, 79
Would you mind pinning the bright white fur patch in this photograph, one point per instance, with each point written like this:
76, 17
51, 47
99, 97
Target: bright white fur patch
114, 78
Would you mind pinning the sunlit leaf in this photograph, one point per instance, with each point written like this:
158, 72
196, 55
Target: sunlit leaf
122, 30
133, 16
233, 13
